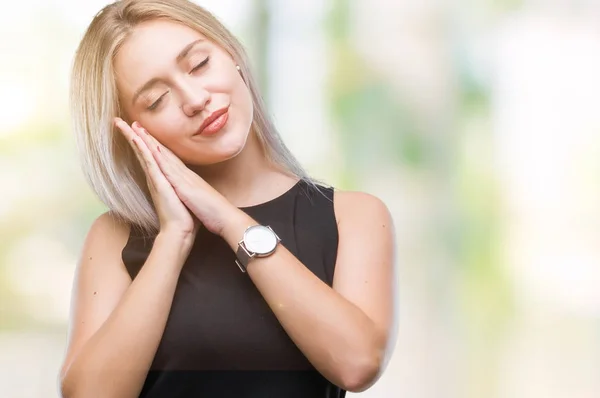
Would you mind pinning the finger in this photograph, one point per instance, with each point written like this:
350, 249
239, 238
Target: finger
154, 144
150, 166
167, 161
129, 135
172, 167
124, 128
147, 157
156, 179
155, 147
142, 134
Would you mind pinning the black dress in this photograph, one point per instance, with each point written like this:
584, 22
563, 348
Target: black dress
221, 338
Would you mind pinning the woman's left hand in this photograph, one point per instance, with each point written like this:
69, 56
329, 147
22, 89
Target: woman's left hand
208, 205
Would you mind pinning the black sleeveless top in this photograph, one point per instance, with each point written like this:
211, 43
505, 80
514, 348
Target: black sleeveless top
221, 339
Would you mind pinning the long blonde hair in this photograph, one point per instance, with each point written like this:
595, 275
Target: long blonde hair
108, 162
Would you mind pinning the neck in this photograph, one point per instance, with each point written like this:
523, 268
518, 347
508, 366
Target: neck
248, 178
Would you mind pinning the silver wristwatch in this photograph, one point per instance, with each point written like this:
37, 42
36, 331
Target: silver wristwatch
258, 241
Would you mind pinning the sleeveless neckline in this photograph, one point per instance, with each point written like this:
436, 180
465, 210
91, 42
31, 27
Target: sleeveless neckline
276, 199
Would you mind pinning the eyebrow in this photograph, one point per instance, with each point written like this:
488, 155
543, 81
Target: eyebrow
155, 80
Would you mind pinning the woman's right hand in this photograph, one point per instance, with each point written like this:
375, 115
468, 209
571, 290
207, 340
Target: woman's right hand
173, 215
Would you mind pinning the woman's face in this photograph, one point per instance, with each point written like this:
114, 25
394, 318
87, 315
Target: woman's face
173, 81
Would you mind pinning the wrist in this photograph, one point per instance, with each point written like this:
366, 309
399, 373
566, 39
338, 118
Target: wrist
176, 238
234, 227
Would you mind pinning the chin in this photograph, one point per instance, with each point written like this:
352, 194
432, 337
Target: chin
225, 148
232, 143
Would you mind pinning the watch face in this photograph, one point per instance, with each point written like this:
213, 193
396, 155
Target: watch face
260, 239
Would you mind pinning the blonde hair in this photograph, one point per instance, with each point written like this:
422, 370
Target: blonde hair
108, 162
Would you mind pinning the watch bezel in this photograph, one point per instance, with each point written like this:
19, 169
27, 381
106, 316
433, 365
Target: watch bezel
253, 229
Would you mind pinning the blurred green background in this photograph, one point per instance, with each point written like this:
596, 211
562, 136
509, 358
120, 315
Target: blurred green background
476, 122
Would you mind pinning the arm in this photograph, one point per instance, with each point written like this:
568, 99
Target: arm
116, 324
344, 331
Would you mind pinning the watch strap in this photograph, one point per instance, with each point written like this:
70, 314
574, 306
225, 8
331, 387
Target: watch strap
243, 256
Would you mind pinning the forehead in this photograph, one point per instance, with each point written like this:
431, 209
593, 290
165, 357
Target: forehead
151, 49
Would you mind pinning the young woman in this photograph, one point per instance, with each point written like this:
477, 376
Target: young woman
221, 268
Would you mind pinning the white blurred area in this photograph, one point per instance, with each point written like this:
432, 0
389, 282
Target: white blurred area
547, 124
542, 62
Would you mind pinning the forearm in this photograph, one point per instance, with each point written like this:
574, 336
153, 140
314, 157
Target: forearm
115, 360
337, 337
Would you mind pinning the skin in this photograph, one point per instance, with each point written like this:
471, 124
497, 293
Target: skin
232, 162
345, 331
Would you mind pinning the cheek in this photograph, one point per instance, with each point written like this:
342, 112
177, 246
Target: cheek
167, 127
244, 100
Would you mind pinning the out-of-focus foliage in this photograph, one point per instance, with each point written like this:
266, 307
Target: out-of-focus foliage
474, 122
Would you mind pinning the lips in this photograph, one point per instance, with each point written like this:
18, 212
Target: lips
209, 126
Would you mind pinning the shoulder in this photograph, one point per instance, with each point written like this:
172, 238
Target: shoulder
107, 230
100, 259
360, 206
109, 222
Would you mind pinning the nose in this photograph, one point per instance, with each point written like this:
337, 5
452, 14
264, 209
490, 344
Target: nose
194, 100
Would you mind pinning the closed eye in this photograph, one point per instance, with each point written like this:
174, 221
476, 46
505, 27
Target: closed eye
200, 65
156, 103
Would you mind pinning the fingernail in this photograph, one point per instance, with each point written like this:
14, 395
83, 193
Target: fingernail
135, 124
